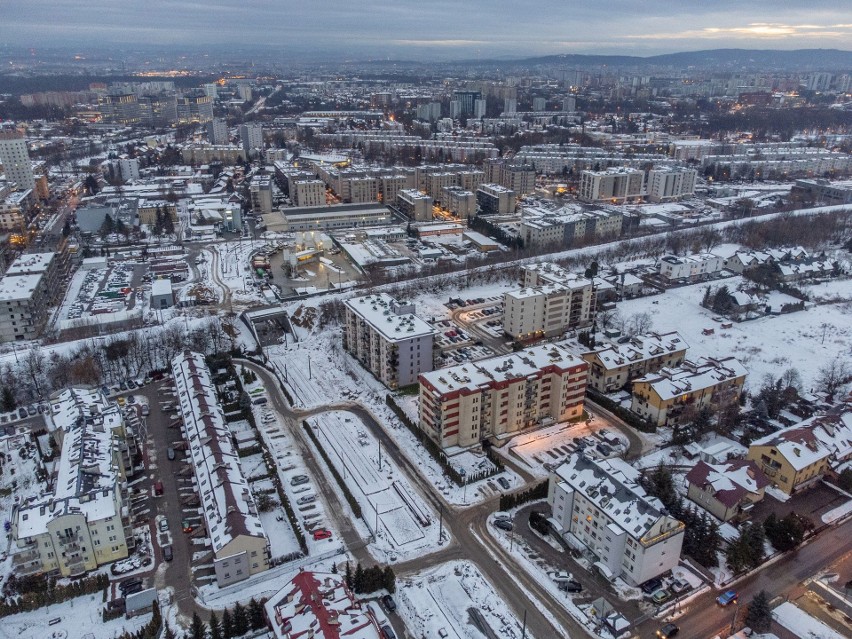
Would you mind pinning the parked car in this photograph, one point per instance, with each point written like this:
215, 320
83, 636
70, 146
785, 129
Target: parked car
503, 524
298, 480
170, 452
133, 590
603, 449
504, 483
651, 585
322, 533
307, 499
168, 555
668, 631
570, 586
22, 413
661, 596
158, 488
388, 633
678, 586
390, 604
146, 410
163, 525
129, 583
186, 526
727, 598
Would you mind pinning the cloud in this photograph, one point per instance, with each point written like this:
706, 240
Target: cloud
754, 31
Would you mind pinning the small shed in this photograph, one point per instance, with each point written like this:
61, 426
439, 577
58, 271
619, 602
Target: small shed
162, 295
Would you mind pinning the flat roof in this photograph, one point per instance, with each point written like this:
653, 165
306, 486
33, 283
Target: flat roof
378, 312
18, 287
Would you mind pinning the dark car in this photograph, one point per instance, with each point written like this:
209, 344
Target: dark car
651, 585
127, 584
571, 586
390, 604
168, 555
504, 483
22, 413
133, 590
388, 633
503, 524
603, 449
668, 631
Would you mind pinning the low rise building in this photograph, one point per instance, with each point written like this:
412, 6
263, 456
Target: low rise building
388, 339
690, 267
674, 395
611, 368
728, 490
231, 519
796, 457
84, 522
466, 404
321, 606
600, 508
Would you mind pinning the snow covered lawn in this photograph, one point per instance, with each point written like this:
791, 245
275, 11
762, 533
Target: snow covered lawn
443, 598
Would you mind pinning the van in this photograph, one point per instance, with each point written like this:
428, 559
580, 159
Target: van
158, 488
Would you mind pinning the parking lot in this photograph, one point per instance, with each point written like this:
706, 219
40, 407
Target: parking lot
98, 291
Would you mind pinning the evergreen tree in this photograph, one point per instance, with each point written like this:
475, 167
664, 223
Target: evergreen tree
169, 633
348, 576
759, 615
227, 625
66, 229
215, 627
168, 223
389, 579
358, 579
108, 225
240, 620
257, 620
8, 403
197, 629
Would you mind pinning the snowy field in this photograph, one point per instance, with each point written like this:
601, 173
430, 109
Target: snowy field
406, 523
768, 345
442, 599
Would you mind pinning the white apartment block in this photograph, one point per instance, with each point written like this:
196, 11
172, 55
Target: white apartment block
84, 523
548, 310
251, 136
494, 199
391, 186
470, 180
435, 183
239, 544
612, 367
388, 339
669, 184
11, 212
458, 201
616, 185
260, 191
466, 404
414, 205
363, 190
600, 508
308, 193
15, 158
695, 266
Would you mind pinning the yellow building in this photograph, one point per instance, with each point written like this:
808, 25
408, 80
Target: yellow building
672, 395
611, 368
800, 455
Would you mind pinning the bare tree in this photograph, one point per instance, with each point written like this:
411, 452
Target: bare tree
639, 323
833, 375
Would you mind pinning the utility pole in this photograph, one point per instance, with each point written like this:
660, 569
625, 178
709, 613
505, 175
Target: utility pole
524, 628
309, 367
441, 523
380, 455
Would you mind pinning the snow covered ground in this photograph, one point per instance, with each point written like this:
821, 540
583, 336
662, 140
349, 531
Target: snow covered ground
768, 345
443, 598
407, 525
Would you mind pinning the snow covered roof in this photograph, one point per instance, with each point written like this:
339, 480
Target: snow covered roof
19, 287
801, 624
228, 508
475, 375
88, 471
814, 439
612, 485
551, 273
379, 311
319, 605
731, 482
30, 263
640, 349
689, 377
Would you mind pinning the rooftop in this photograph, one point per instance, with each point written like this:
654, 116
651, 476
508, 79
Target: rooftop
690, 377
731, 482
381, 311
640, 349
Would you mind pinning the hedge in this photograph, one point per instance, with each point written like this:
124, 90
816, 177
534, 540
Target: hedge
622, 413
539, 491
48, 592
350, 498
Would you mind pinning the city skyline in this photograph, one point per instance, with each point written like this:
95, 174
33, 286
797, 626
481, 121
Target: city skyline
375, 29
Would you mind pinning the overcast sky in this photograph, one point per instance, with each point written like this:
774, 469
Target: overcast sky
434, 28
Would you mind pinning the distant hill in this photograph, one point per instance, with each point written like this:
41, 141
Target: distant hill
731, 59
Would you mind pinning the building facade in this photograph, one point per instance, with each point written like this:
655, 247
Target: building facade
27, 291
466, 404
494, 199
613, 367
388, 339
600, 508
15, 158
617, 185
414, 205
665, 185
548, 310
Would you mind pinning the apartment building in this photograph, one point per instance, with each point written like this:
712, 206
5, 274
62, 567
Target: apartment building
195, 107
690, 267
470, 180
391, 185
673, 395
251, 137
494, 199
260, 191
388, 339
15, 158
548, 310
435, 183
611, 368
668, 184
308, 193
569, 225
414, 205
12, 211
27, 291
728, 490
600, 508
458, 201
227, 154
466, 404
84, 522
616, 185
797, 456
239, 544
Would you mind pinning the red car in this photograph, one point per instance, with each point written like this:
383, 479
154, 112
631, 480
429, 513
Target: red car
322, 533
